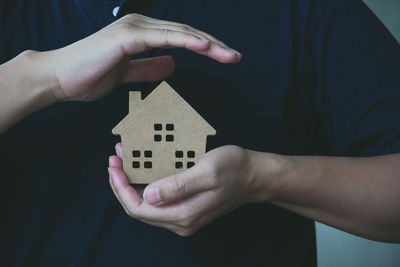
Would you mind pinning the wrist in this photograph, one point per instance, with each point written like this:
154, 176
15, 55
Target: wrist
39, 81
301, 180
269, 174
26, 86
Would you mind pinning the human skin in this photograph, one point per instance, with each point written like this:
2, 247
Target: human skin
357, 195
46, 78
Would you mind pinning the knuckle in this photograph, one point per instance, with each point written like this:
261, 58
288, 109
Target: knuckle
211, 172
165, 32
184, 28
185, 232
123, 29
133, 16
28, 53
179, 185
183, 215
167, 35
210, 168
129, 213
132, 214
185, 223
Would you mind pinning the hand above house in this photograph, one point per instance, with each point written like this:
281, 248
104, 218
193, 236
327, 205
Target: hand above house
358, 195
90, 68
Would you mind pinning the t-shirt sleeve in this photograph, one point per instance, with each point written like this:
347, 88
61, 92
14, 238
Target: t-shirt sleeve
354, 63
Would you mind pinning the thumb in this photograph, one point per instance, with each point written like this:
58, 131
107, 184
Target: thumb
176, 187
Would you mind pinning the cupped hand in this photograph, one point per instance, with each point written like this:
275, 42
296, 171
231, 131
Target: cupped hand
92, 67
221, 181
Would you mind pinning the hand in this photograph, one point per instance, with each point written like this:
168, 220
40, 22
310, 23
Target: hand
92, 67
221, 181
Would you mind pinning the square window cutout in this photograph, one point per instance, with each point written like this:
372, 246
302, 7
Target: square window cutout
191, 154
136, 164
169, 127
179, 154
148, 164
178, 165
136, 153
169, 138
157, 137
157, 126
148, 154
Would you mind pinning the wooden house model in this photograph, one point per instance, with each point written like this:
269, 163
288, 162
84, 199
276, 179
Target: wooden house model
162, 135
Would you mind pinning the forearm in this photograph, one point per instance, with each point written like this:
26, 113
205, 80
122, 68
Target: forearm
26, 86
357, 195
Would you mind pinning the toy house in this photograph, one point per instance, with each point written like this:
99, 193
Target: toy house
162, 135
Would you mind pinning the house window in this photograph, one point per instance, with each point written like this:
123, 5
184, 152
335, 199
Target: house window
157, 137
158, 127
137, 155
136, 164
169, 138
166, 129
179, 165
181, 161
179, 154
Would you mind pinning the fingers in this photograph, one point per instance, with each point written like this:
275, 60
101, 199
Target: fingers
177, 187
170, 25
144, 39
115, 161
176, 217
227, 56
123, 190
118, 149
173, 26
131, 200
133, 203
183, 211
110, 180
149, 69
139, 34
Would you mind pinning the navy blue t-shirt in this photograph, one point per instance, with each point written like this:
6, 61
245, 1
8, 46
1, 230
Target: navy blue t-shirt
317, 77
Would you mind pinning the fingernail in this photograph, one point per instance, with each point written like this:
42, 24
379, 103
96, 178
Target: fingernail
118, 149
233, 51
152, 196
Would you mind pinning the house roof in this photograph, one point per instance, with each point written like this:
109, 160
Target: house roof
163, 104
